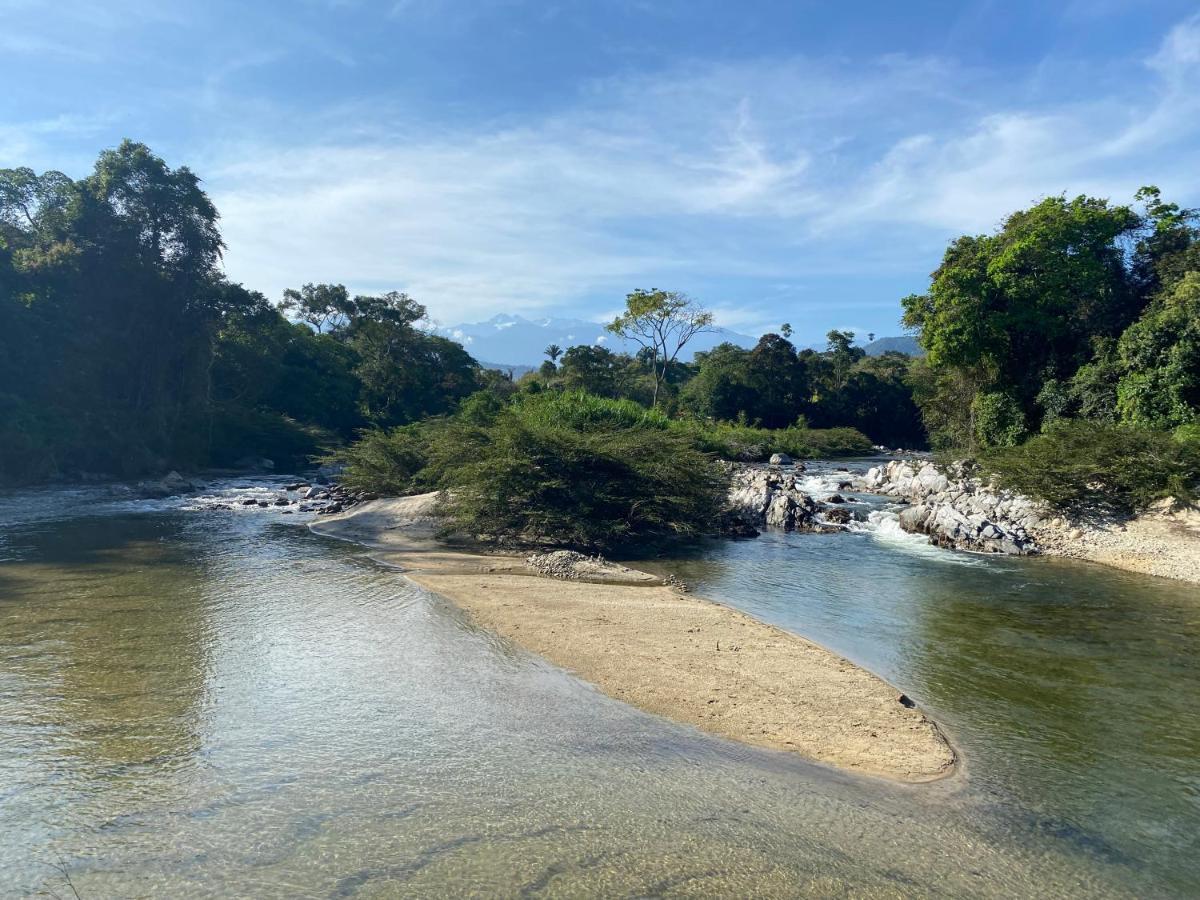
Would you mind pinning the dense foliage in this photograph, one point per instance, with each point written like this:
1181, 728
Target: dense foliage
125, 350
571, 468
1078, 465
1065, 348
567, 469
771, 386
576, 471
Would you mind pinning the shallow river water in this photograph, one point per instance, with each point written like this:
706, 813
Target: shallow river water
212, 703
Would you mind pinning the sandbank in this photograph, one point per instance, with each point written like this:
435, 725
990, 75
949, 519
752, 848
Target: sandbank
669, 653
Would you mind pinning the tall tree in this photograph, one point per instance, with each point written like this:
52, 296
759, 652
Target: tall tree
320, 305
662, 323
1011, 310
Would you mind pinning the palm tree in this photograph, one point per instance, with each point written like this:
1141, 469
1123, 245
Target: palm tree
554, 352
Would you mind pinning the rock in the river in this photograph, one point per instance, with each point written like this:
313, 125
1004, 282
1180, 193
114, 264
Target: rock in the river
780, 459
170, 485
766, 496
957, 510
838, 515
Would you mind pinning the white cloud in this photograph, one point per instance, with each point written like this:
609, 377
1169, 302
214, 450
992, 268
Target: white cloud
770, 170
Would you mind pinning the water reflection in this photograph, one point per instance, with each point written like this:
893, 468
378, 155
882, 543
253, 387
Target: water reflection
1071, 688
219, 705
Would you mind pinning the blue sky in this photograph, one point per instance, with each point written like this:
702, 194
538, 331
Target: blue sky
799, 162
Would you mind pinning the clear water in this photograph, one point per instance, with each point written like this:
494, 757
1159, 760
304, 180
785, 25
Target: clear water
211, 703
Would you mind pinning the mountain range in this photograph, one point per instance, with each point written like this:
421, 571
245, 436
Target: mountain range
515, 343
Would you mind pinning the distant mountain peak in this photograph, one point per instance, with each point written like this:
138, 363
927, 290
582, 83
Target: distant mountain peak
904, 343
513, 340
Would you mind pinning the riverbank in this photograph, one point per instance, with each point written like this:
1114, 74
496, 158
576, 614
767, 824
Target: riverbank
965, 514
671, 654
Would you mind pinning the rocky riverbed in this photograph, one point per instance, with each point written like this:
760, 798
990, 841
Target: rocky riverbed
771, 496
958, 511
962, 512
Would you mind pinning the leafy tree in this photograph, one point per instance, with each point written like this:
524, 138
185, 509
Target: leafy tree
593, 370
1160, 354
843, 354
722, 388
999, 420
779, 380
662, 323
1010, 310
320, 305
554, 352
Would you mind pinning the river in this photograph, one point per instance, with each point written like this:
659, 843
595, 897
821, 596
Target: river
218, 703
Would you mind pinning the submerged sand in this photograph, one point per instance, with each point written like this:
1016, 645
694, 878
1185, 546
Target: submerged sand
666, 652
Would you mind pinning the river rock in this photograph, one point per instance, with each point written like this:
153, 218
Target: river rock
170, 485
957, 510
780, 459
838, 515
764, 496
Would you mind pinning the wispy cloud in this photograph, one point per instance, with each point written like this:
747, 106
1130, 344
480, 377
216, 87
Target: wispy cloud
762, 185
757, 170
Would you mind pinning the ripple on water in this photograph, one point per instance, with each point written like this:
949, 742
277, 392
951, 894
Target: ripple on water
208, 703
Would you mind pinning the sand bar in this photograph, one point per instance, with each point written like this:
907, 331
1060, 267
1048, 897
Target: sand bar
670, 653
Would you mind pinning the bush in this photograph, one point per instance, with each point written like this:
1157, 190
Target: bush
572, 469
385, 462
999, 420
748, 444
577, 472
1078, 463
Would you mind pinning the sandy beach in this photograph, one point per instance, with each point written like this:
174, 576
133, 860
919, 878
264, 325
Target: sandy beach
667, 652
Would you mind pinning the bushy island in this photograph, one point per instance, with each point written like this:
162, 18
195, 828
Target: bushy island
571, 469
1062, 361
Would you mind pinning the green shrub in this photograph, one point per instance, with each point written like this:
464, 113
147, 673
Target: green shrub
572, 469
386, 462
729, 440
577, 472
999, 420
1077, 463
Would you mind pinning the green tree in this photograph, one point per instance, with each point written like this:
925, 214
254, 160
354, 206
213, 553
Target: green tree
661, 323
593, 370
722, 388
1160, 355
779, 380
1010, 310
843, 354
320, 305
